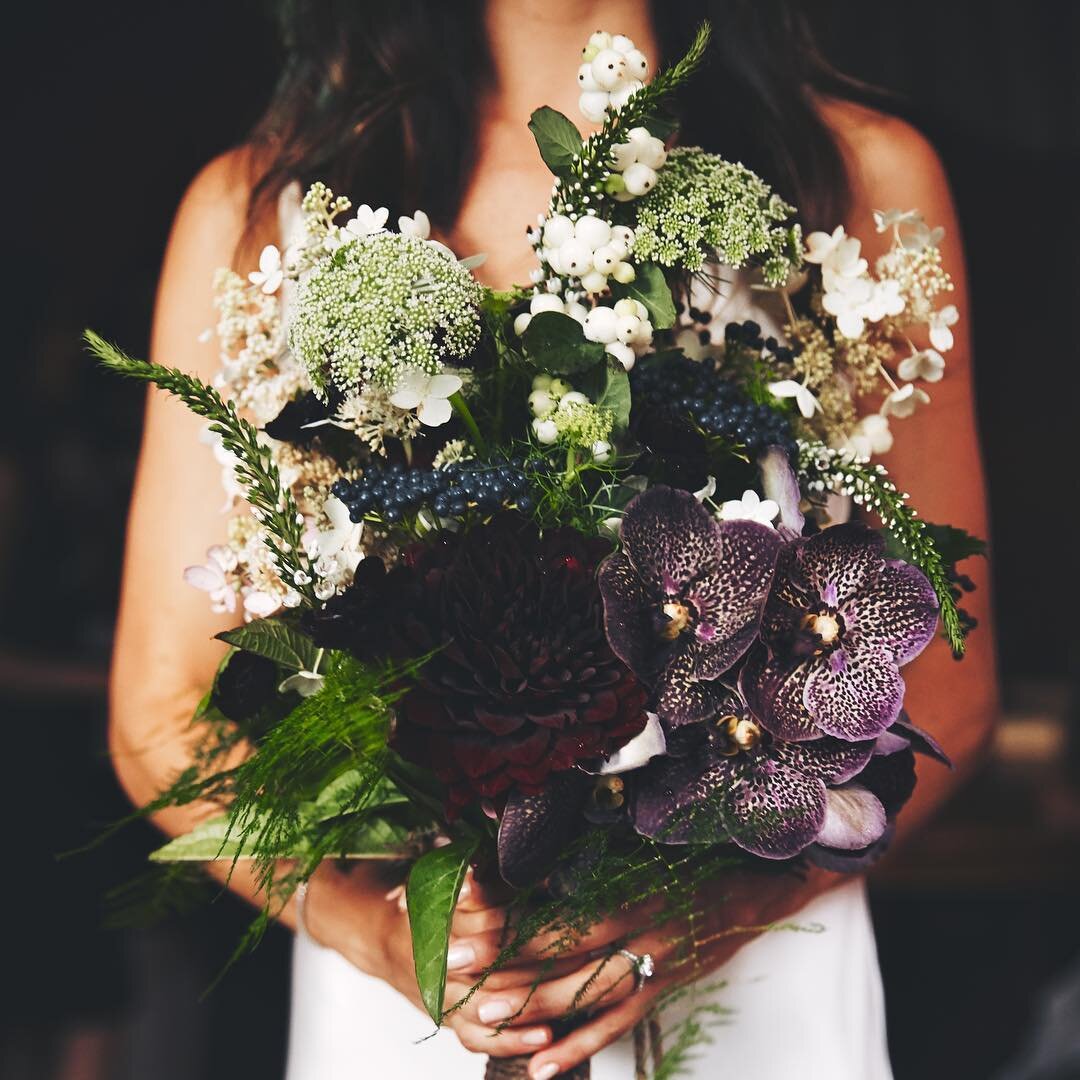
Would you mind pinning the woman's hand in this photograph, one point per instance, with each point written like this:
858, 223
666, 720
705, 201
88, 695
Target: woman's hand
351, 912
732, 910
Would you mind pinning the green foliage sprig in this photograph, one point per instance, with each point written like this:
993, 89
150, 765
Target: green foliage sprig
272, 503
825, 469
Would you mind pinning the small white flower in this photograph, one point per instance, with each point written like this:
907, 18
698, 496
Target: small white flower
260, 605
941, 336
270, 274
367, 221
927, 364
805, 401
751, 507
213, 578
886, 299
305, 683
887, 219
870, 436
417, 225
342, 539
708, 491
837, 252
642, 748
428, 394
903, 402
847, 300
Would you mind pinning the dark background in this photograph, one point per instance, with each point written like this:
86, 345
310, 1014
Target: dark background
111, 109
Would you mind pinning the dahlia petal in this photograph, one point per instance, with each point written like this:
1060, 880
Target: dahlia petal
854, 695
670, 538
842, 560
854, 818
627, 622
683, 698
498, 723
833, 761
897, 612
774, 811
534, 829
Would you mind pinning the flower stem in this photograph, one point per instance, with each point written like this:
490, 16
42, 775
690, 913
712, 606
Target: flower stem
462, 409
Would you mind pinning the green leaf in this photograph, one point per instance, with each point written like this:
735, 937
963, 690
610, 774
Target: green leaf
557, 138
609, 386
432, 892
953, 544
556, 343
277, 641
207, 842
651, 288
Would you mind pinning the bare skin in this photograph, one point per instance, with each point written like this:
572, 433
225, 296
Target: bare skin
165, 655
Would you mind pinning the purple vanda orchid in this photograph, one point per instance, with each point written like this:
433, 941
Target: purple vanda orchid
840, 622
684, 597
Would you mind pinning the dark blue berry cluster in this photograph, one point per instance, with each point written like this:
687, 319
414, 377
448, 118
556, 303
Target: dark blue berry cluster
748, 335
681, 388
393, 492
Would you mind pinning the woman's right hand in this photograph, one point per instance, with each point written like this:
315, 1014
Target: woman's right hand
351, 912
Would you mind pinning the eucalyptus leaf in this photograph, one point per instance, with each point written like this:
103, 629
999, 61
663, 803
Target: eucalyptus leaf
277, 641
558, 140
431, 893
651, 288
556, 343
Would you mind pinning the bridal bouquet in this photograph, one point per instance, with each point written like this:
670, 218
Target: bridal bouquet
559, 582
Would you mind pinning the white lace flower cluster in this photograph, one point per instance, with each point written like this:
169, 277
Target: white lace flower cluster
612, 70
561, 412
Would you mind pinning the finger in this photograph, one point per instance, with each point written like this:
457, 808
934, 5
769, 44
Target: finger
610, 980
511, 978
468, 923
591, 1037
510, 1042
476, 895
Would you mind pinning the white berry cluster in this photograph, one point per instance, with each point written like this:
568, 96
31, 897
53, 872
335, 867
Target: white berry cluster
589, 249
549, 302
560, 411
612, 71
624, 330
634, 164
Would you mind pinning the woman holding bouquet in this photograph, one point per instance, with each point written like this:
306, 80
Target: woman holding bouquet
424, 104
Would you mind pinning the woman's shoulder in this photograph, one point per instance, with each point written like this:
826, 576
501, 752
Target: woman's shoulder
890, 162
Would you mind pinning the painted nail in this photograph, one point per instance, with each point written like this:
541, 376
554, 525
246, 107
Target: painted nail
545, 1072
464, 892
460, 956
536, 1037
491, 1012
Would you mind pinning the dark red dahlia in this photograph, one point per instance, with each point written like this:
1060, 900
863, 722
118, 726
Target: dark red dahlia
524, 683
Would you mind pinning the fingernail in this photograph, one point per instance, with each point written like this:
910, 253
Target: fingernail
464, 892
536, 1037
459, 956
491, 1012
396, 892
545, 1071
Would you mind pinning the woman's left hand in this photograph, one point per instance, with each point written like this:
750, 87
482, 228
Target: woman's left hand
732, 910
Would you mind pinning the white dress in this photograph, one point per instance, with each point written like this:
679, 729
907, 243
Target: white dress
799, 1004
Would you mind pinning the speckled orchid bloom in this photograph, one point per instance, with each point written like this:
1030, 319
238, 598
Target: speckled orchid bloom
840, 622
728, 778
683, 598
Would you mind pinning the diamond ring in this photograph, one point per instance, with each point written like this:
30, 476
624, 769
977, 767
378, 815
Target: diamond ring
643, 967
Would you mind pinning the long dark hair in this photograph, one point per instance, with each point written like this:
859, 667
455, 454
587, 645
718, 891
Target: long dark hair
378, 99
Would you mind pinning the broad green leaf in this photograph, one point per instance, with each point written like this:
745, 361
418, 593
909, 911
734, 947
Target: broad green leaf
953, 544
651, 288
386, 835
558, 139
555, 342
205, 843
277, 641
432, 891
349, 792
615, 395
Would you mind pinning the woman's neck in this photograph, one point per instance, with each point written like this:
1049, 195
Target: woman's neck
535, 49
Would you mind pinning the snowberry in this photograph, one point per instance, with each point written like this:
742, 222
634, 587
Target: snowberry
622, 352
628, 328
542, 381
600, 325
545, 431
541, 403
593, 282
622, 234
624, 273
601, 39
585, 79
622, 44
545, 302
577, 312
605, 258
636, 64
593, 104
557, 230
624, 92
639, 179
593, 231
576, 257
521, 323
572, 400
559, 387
608, 68
601, 450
